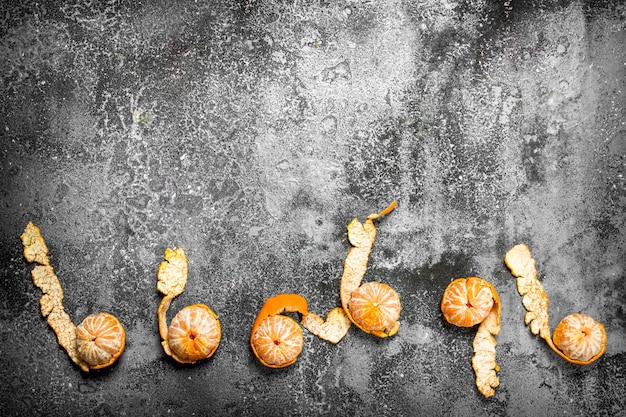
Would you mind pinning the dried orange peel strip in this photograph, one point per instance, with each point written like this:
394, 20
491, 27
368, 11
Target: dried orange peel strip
484, 359
171, 282
361, 236
35, 248
277, 340
51, 302
172, 275
465, 303
578, 338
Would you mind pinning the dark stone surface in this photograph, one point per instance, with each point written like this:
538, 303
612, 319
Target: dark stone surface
250, 133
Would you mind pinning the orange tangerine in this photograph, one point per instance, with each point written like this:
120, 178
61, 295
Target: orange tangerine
194, 334
580, 337
467, 301
375, 306
100, 340
277, 341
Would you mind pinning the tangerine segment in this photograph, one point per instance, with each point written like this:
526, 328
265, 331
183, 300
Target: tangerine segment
277, 341
100, 340
580, 337
467, 301
194, 334
375, 307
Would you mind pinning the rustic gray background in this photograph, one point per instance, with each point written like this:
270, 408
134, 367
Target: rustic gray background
252, 132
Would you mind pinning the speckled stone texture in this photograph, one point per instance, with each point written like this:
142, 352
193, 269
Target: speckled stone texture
251, 133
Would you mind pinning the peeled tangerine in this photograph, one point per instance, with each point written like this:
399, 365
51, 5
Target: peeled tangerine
470, 301
99, 340
194, 334
276, 340
467, 301
375, 306
195, 331
578, 338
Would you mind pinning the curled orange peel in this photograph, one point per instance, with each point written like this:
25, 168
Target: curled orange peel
272, 336
69, 336
465, 303
195, 331
578, 338
362, 236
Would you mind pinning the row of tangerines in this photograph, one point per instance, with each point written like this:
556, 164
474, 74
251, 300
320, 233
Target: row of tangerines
276, 339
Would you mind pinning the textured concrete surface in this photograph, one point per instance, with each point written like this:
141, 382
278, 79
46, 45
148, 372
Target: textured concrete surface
252, 132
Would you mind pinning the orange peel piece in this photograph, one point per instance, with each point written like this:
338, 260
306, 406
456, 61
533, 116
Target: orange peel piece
51, 302
362, 236
195, 332
578, 338
35, 248
172, 275
276, 340
332, 329
465, 303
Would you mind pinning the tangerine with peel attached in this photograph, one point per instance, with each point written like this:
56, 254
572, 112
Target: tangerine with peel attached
99, 348
195, 331
100, 340
465, 303
578, 338
276, 340
362, 237
194, 334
